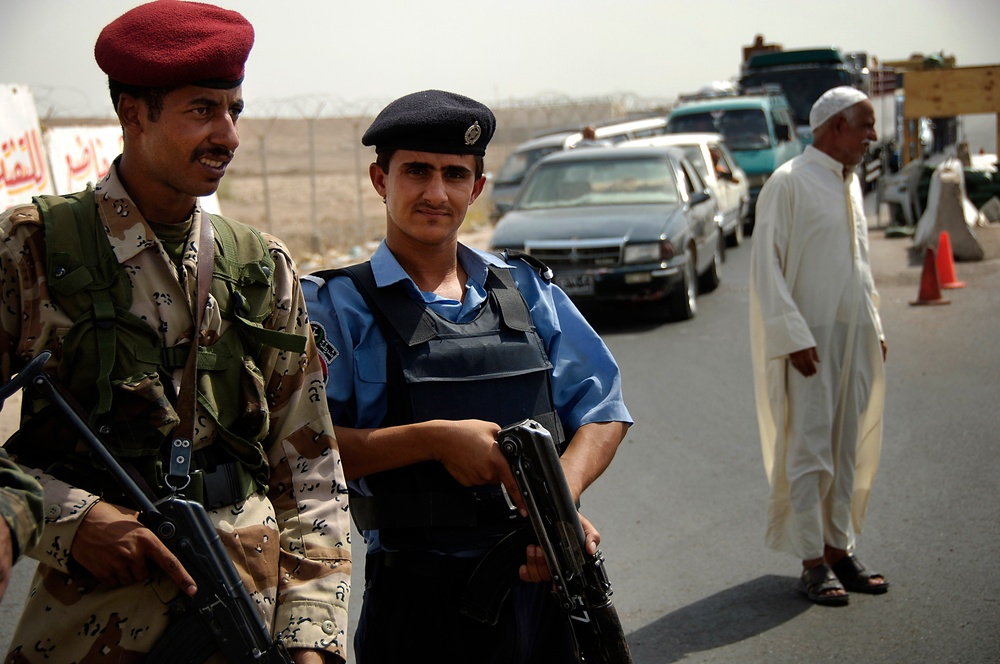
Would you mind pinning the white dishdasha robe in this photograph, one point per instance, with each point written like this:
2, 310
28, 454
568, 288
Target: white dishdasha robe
811, 285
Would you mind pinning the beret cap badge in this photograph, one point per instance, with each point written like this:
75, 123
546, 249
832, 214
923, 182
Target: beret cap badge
473, 133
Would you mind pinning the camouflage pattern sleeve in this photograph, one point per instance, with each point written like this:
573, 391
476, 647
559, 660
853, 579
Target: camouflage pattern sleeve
21, 501
307, 485
24, 332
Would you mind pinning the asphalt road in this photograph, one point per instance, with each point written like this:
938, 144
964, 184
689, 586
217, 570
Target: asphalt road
682, 507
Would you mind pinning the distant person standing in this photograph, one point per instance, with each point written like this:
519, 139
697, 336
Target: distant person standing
818, 351
589, 139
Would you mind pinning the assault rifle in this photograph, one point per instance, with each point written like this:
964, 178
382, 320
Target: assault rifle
579, 578
221, 617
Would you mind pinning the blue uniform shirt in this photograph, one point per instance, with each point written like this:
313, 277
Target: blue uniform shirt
586, 382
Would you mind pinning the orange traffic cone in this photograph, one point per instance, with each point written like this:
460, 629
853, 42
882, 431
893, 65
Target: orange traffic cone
946, 263
930, 287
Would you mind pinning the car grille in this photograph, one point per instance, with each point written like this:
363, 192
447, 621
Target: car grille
578, 254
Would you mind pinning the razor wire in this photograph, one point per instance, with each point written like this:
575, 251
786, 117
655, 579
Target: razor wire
321, 156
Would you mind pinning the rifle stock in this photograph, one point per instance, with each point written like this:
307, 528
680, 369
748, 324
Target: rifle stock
580, 579
222, 610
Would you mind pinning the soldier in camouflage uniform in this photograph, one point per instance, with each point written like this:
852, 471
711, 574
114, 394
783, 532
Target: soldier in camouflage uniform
104, 582
21, 509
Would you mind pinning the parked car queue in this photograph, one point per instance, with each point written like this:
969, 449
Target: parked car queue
508, 180
637, 225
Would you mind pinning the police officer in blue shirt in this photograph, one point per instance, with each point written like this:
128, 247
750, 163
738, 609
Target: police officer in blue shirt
432, 347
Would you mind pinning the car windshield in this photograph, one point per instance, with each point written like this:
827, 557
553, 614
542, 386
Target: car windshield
599, 182
517, 164
743, 128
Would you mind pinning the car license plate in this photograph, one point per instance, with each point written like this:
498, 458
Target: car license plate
576, 284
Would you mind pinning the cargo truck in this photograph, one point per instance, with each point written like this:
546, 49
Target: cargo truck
805, 74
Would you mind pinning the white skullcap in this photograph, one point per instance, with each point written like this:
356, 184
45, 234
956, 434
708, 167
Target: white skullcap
833, 101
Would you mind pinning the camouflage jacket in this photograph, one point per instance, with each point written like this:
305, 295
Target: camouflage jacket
305, 584
20, 504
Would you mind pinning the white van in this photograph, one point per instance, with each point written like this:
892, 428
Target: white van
508, 180
623, 131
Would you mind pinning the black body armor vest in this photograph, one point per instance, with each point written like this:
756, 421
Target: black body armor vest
493, 368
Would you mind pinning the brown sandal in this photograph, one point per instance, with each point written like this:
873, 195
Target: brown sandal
817, 581
857, 578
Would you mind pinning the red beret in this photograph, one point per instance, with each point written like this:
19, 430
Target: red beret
168, 43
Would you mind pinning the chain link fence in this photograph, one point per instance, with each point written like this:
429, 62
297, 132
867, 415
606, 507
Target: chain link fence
301, 172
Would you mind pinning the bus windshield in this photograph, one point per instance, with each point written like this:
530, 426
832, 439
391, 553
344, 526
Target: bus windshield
743, 128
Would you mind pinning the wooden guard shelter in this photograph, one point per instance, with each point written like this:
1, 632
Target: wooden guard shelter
938, 93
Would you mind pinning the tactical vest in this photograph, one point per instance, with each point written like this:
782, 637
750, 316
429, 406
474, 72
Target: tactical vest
493, 368
115, 364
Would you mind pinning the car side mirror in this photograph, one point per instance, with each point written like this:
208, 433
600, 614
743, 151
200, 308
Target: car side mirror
699, 198
502, 209
783, 133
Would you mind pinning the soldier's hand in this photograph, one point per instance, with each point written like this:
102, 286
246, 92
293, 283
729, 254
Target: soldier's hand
6, 556
114, 547
305, 656
470, 453
536, 570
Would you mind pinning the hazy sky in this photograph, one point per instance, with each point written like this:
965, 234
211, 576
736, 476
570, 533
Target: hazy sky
358, 53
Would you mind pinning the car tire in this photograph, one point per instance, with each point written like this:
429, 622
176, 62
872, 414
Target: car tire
682, 303
710, 280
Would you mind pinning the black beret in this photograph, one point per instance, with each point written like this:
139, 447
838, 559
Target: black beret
169, 43
433, 121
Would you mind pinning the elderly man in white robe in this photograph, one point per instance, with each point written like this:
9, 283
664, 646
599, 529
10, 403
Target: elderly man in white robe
818, 351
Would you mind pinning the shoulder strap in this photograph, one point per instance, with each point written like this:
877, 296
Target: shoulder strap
82, 270
391, 305
182, 442
513, 308
235, 257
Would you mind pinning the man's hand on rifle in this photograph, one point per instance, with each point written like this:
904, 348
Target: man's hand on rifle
471, 454
536, 570
114, 547
303, 656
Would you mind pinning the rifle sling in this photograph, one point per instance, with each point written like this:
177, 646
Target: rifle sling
494, 575
182, 444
